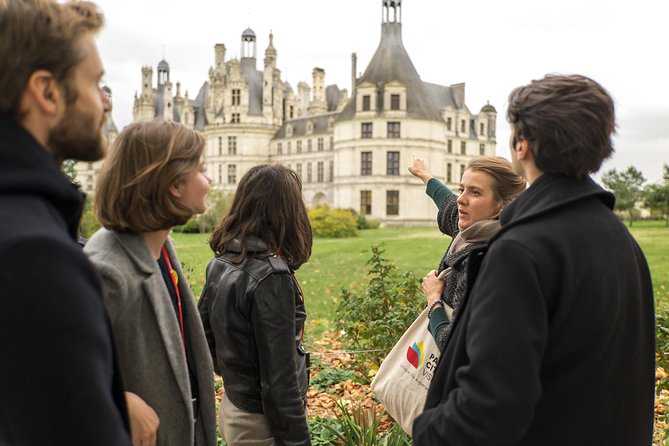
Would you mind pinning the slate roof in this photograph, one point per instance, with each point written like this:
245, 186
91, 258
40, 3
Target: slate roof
391, 62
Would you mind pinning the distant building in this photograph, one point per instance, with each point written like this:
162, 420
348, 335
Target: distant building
351, 152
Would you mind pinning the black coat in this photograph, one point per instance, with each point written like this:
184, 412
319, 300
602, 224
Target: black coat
554, 344
58, 382
253, 317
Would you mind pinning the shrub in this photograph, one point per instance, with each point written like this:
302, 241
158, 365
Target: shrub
662, 327
364, 223
377, 316
360, 426
219, 204
89, 224
190, 227
323, 430
333, 223
331, 376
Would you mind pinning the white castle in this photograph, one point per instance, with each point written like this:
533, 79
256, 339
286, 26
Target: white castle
350, 151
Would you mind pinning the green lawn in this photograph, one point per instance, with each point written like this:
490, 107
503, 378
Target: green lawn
336, 263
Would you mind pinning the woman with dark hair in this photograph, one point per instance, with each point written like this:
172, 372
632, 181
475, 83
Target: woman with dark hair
152, 180
471, 219
253, 310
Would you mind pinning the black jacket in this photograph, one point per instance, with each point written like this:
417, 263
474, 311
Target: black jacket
554, 344
58, 381
253, 316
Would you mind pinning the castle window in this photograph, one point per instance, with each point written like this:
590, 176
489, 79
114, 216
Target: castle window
320, 172
366, 130
481, 149
482, 133
394, 102
232, 145
279, 149
365, 163
449, 145
392, 202
320, 144
449, 124
393, 163
298, 146
235, 118
463, 126
291, 112
308, 172
393, 130
331, 171
288, 147
232, 173
365, 202
462, 170
220, 146
236, 96
463, 147
220, 174
298, 169
308, 145
449, 173
366, 102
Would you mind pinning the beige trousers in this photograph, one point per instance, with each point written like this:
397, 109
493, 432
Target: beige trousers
241, 428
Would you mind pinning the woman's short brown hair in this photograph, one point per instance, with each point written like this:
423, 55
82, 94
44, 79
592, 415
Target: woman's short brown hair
41, 34
146, 159
268, 205
506, 183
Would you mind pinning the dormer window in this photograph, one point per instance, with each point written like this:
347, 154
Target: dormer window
289, 130
310, 127
394, 102
366, 102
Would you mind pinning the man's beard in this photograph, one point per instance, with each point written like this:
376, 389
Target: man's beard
78, 136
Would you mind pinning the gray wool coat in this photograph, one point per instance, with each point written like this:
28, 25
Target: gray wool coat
148, 338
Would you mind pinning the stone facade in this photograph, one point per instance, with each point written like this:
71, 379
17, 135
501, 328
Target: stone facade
350, 151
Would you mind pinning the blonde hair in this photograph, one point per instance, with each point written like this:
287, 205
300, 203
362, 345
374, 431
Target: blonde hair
146, 159
506, 183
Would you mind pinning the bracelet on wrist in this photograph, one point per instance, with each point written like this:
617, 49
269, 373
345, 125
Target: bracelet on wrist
432, 306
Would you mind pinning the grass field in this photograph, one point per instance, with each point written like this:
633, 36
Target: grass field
336, 263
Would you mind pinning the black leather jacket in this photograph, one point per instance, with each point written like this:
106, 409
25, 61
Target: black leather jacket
253, 315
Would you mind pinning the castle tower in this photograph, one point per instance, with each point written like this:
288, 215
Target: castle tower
219, 57
268, 78
248, 44
143, 108
318, 104
163, 72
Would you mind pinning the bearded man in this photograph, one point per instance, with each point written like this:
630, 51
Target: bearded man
59, 383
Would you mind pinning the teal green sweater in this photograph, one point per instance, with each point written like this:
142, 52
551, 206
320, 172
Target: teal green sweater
439, 320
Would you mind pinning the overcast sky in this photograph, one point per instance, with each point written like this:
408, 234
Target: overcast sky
491, 45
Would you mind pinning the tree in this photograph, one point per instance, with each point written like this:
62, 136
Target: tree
657, 195
626, 186
68, 168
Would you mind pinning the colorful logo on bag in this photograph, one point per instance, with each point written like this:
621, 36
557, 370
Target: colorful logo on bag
415, 354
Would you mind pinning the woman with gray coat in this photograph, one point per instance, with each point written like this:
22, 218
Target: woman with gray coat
152, 180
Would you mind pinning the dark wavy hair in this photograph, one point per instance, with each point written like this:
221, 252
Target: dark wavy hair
268, 205
568, 122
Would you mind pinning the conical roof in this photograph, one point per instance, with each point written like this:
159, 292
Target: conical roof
391, 62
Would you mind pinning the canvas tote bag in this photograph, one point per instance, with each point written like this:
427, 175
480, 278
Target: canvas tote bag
404, 376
